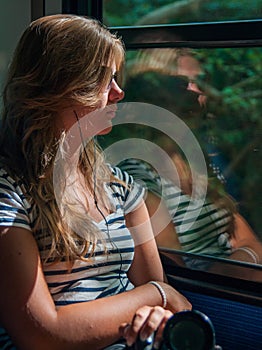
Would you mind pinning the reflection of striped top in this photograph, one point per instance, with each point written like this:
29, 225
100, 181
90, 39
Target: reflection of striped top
104, 274
200, 225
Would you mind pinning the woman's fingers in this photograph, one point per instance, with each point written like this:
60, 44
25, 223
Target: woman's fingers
146, 321
156, 320
131, 331
159, 333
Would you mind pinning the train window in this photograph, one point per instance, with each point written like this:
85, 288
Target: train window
215, 92
208, 75
130, 13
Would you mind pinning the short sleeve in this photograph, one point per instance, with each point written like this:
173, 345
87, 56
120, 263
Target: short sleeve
128, 192
14, 208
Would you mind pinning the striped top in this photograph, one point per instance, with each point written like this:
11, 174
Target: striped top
200, 225
104, 274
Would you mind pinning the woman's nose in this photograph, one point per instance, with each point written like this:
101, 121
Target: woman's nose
116, 94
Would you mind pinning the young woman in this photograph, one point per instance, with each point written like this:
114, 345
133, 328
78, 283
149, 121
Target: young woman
72, 275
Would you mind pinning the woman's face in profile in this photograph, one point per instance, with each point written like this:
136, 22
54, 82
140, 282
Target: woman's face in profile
106, 108
189, 67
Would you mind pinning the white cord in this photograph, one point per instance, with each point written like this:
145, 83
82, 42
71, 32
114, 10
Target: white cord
161, 291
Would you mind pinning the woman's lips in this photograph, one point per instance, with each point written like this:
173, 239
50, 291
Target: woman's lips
111, 112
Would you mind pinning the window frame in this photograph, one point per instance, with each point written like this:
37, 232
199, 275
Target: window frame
196, 35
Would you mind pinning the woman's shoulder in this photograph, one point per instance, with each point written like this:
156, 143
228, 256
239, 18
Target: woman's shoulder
125, 189
141, 171
12, 188
120, 175
7, 179
15, 210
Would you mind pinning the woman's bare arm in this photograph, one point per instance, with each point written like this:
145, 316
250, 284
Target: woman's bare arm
163, 226
146, 265
29, 315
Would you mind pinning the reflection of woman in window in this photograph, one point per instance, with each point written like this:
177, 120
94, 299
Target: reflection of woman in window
218, 230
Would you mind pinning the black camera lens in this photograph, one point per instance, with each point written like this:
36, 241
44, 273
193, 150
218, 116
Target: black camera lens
189, 330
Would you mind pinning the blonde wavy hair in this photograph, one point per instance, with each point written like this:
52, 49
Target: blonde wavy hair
60, 61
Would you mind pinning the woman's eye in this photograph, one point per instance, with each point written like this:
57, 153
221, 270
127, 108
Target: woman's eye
111, 81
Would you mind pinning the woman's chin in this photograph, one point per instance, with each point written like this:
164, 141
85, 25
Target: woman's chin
105, 131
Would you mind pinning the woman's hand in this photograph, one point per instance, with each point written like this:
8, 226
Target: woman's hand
152, 319
146, 321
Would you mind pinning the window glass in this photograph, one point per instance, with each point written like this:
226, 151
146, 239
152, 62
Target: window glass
137, 12
227, 82
217, 94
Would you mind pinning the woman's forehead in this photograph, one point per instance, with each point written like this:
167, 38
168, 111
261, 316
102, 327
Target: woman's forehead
188, 65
